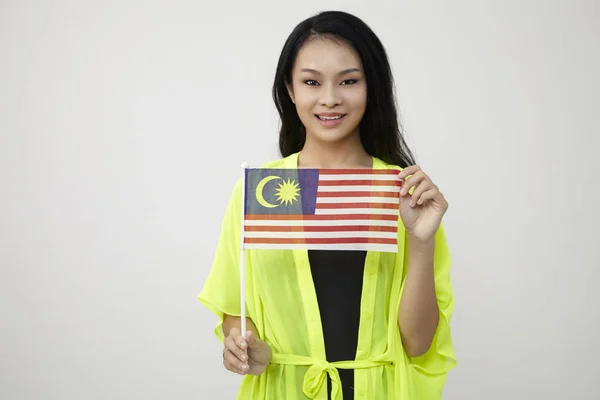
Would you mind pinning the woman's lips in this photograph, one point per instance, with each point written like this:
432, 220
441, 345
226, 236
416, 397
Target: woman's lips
330, 120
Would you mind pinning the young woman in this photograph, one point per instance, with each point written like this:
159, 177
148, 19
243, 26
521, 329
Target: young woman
339, 324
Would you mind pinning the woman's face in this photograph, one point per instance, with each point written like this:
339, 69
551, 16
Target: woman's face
329, 89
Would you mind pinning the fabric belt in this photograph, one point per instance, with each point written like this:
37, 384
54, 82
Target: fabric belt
319, 369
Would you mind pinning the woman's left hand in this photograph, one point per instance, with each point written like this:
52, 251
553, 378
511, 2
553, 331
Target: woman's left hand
422, 211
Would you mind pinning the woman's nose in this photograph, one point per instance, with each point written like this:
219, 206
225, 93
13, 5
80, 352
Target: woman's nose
330, 95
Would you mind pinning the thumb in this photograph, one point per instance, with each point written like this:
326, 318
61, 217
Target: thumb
253, 342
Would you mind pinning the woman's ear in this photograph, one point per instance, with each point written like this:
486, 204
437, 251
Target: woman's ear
290, 90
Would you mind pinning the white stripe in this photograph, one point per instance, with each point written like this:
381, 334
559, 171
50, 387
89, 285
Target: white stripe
369, 211
331, 222
359, 177
320, 235
390, 200
388, 248
358, 188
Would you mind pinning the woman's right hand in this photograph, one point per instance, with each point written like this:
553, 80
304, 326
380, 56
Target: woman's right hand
245, 356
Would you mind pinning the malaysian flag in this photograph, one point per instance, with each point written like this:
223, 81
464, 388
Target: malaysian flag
333, 209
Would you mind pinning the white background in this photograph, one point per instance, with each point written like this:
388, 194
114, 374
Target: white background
123, 125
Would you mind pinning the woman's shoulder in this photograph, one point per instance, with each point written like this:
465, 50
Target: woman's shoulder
380, 164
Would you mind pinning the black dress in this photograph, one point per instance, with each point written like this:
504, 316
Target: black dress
338, 280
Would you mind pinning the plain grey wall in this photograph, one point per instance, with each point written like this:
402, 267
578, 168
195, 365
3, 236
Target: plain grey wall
123, 125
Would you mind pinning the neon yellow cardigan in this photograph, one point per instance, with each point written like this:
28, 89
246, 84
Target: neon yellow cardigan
281, 301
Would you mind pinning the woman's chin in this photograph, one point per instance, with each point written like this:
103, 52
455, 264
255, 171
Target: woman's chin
331, 135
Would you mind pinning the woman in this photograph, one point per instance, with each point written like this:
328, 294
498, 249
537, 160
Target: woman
339, 324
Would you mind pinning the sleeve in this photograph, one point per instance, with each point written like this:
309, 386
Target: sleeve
221, 291
429, 370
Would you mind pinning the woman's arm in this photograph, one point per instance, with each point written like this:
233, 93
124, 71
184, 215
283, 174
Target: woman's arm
418, 314
421, 211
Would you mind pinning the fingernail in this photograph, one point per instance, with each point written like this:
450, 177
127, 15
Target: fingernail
243, 357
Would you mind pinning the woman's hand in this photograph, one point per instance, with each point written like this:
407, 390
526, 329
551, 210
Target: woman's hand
422, 211
245, 356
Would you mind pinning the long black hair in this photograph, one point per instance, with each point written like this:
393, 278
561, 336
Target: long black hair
380, 130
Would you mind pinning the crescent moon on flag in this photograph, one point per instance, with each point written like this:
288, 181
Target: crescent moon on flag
259, 191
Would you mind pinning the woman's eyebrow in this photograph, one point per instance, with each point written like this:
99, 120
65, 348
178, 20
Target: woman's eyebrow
346, 71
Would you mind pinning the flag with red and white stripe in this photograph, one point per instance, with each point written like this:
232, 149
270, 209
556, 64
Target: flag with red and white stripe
349, 209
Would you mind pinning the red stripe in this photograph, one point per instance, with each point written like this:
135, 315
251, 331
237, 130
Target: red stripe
354, 182
359, 171
330, 206
343, 228
357, 194
300, 217
319, 241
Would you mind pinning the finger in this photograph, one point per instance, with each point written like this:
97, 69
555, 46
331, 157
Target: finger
249, 339
423, 187
233, 364
436, 196
232, 343
412, 181
408, 171
241, 342
237, 338
234, 332
428, 195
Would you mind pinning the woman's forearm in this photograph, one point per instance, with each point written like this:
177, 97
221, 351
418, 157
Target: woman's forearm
418, 314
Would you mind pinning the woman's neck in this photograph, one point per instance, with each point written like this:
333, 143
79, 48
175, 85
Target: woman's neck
347, 153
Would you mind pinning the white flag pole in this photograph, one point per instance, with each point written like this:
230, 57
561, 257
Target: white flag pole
243, 256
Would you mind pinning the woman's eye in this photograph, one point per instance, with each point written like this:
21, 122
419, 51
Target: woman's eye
349, 81
311, 82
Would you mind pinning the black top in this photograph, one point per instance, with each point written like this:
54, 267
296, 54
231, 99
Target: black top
338, 280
